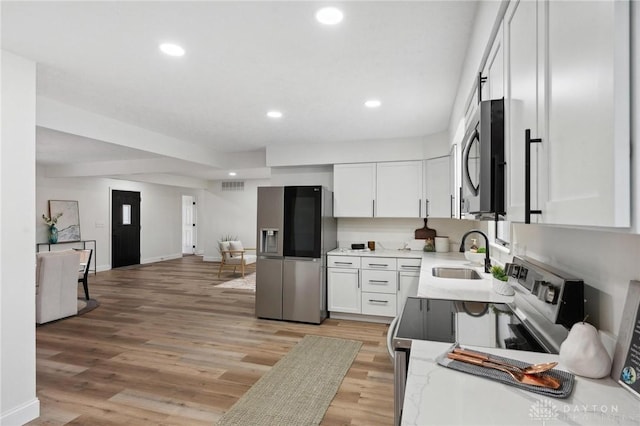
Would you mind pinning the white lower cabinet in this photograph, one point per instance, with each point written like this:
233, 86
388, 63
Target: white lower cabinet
343, 290
379, 281
380, 304
369, 285
407, 287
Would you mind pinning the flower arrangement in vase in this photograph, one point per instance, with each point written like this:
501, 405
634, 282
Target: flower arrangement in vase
51, 223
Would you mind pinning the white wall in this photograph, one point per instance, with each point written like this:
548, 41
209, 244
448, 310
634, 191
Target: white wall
359, 152
393, 233
309, 175
606, 261
18, 402
230, 213
160, 214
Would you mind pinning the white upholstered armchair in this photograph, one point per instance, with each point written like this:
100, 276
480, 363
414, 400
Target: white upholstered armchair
233, 255
56, 285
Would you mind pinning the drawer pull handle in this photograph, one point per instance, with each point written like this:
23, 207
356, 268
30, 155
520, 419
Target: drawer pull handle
409, 266
343, 263
378, 301
378, 282
379, 264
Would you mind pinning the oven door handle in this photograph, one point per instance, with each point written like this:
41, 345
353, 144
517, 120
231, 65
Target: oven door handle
393, 328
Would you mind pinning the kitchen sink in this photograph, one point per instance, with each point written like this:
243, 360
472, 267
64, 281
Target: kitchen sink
458, 273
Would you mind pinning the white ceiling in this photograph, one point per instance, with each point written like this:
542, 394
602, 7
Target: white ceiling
242, 59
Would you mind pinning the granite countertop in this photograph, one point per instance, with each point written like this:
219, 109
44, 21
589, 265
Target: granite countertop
472, 400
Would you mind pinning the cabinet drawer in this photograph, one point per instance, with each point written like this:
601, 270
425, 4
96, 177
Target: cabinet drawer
412, 265
385, 263
379, 304
379, 281
343, 261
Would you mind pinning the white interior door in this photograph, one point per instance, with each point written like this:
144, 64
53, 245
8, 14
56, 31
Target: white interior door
188, 225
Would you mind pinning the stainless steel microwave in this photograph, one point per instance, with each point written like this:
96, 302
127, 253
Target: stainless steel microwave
483, 162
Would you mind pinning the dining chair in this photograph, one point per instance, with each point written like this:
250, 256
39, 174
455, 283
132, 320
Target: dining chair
85, 265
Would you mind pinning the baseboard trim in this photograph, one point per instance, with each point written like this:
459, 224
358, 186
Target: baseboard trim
161, 258
360, 317
22, 414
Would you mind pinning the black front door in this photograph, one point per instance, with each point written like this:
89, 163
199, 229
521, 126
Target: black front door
125, 228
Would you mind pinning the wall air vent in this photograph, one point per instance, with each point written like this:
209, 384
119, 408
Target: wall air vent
232, 186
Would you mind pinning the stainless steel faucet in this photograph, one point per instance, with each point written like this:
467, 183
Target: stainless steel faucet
487, 258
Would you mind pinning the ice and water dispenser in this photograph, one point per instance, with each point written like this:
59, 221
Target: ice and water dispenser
269, 241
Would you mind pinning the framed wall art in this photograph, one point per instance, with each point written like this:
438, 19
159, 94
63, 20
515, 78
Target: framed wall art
69, 222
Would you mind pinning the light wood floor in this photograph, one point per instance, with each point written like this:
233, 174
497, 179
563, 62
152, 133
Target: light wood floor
166, 347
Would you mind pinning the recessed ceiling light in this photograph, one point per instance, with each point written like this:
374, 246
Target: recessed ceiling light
172, 49
274, 114
232, 173
329, 16
372, 103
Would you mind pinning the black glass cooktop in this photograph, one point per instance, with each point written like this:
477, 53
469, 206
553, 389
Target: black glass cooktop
469, 323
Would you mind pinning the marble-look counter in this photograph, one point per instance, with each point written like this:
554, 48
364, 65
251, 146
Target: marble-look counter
456, 289
436, 395
440, 288
412, 254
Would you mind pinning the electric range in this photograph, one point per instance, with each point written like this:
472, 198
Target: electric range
547, 302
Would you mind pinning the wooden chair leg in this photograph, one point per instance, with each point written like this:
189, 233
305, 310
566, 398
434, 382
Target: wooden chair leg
220, 268
242, 268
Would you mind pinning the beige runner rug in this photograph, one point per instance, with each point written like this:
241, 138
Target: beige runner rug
299, 388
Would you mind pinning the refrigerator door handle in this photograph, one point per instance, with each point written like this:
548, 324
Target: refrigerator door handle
304, 259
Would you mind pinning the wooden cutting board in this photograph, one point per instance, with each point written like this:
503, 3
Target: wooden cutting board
425, 232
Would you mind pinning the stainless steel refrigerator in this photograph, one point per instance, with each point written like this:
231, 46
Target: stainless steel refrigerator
296, 229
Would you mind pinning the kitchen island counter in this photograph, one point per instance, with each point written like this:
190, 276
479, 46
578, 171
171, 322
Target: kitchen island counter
440, 396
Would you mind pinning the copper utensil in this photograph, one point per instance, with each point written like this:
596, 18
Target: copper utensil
532, 369
527, 379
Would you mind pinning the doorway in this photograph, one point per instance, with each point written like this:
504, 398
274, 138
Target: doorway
188, 224
125, 228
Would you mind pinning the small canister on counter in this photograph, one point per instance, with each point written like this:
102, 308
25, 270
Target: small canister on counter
371, 245
442, 244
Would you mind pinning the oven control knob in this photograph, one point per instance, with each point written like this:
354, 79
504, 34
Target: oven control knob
548, 293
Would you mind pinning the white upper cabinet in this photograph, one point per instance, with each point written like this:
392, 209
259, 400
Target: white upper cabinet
437, 188
454, 188
523, 74
567, 82
392, 189
399, 189
354, 190
493, 72
588, 129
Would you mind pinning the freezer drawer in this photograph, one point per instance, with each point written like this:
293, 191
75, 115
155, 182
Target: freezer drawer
269, 288
304, 291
